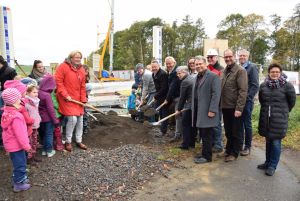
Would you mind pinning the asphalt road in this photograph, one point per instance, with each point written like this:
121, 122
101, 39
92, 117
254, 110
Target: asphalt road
236, 181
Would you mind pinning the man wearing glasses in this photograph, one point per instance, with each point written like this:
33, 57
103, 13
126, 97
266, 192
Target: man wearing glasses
215, 67
234, 90
253, 85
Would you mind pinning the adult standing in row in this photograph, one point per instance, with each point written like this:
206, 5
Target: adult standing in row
185, 102
160, 78
233, 98
70, 80
38, 70
205, 107
277, 98
215, 67
192, 68
253, 85
173, 94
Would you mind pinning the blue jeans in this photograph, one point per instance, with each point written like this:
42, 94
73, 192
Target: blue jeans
218, 144
273, 150
47, 129
18, 160
247, 125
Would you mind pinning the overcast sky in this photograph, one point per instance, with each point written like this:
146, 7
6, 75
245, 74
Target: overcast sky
49, 30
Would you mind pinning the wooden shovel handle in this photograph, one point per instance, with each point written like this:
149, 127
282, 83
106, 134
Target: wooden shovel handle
86, 105
159, 107
171, 115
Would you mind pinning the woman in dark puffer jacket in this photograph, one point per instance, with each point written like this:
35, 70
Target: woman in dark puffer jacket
277, 98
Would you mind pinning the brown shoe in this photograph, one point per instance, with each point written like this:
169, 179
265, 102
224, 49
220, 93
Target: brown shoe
68, 147
81, 146
230, 158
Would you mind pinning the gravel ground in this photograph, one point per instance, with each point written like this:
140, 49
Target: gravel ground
91, 175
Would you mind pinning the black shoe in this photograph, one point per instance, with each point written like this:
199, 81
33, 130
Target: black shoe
201, 160
270, 171
263, 166
183, 147
245, 152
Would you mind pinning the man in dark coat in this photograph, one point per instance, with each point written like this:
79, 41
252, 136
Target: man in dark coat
233, 98
205, 107
173, 94
253, 85
6, 73
185, 102
160, 79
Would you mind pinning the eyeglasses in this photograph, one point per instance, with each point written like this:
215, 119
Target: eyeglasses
192, 63
227, 57
210, 57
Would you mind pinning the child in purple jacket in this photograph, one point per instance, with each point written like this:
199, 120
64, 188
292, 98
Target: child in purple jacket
47, 113
15, 137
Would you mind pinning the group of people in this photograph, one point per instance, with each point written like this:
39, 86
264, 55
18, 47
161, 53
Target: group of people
35, 108
203, 94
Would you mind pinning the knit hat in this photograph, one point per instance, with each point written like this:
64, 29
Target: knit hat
15, 84
29, 81
139, 65
10, 96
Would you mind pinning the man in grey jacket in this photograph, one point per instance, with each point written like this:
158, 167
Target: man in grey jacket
185, 102
205, 107
233, 98
148, 87
253, 85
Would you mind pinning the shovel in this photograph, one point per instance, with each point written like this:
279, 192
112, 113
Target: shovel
151, 111
86, 105
91, 115
166, 118
135, 111
146, 107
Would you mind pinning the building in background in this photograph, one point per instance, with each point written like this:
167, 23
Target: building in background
6, 35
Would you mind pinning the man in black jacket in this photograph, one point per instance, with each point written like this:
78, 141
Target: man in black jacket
6, 73
173, 94
160, 78
185, 102
253, 85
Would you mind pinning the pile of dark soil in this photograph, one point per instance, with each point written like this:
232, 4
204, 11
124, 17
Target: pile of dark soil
112, 131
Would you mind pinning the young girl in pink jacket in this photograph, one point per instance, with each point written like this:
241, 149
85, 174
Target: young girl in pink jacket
32, 106
15, 137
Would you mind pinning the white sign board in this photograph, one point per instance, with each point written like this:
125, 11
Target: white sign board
96, 62
157, 43
293, 78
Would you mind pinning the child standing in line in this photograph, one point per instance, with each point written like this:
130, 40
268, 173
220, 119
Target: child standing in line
47, 113
15, 137
17, 84
58, 145
32, 106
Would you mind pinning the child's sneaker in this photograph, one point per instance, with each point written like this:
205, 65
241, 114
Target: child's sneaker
44, 153
51, 153
21, 187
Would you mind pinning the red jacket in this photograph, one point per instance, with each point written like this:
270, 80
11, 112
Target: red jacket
70, 81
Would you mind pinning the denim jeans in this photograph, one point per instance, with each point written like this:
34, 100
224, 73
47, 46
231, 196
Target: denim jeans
273, 150
247, 125
74, 124
18, 160
47, 129
217, 140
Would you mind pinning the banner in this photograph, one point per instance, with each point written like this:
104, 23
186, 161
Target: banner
293, 78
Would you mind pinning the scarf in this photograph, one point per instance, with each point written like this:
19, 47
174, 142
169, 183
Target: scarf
280, 82
37, 74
